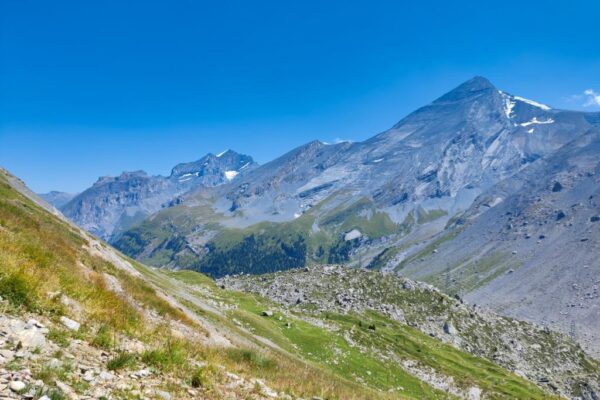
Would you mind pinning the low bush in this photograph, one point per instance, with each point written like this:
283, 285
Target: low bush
121, 361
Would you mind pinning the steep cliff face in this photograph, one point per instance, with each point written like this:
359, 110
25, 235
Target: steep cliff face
113, 204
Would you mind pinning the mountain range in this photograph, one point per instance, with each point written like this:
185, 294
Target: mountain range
114, 204
485, 194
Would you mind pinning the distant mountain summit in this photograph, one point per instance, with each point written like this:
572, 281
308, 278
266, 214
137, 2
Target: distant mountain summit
212, 169
57, 199
113, 204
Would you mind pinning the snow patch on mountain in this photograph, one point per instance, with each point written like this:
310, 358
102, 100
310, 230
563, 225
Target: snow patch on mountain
533, 103
509, 104
231, 174
537, 121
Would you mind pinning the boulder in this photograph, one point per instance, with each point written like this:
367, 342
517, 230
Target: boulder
474, 393
449, 329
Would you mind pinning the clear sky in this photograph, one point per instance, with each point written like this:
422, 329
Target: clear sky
91, 88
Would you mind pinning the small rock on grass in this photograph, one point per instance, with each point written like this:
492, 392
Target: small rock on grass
70, 324
16, 386
163, 395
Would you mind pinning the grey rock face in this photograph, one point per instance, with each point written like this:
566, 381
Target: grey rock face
113, 204
529, 244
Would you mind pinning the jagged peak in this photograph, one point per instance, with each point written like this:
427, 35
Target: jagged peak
124, 176
221, 154
227, 157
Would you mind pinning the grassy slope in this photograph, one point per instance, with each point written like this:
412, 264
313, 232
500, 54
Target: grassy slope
370, 357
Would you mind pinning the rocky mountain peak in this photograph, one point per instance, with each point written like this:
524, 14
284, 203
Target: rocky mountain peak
125, 176
474, 87
228, 160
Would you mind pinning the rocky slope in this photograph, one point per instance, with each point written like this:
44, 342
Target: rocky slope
440, 156
527, 246
35, 366
113, 204
517, 346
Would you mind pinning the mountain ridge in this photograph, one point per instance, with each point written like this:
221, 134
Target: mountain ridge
396, 202
112, 204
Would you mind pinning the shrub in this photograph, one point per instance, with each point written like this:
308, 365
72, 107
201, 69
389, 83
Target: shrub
203, 377
166, 358
59, 336
18, 291
103, 338
49, 374
56, 395
251, 358
122, 360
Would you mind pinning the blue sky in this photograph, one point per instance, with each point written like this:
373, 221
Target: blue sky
97, 87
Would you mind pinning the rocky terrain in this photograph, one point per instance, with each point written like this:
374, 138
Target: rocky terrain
527, 246
34, 366
514, 345
78, 320
486, 195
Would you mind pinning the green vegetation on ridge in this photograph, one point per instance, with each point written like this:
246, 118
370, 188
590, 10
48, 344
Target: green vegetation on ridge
264, 247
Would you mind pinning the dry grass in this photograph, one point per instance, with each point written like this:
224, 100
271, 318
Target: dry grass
42, 257
291, 375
